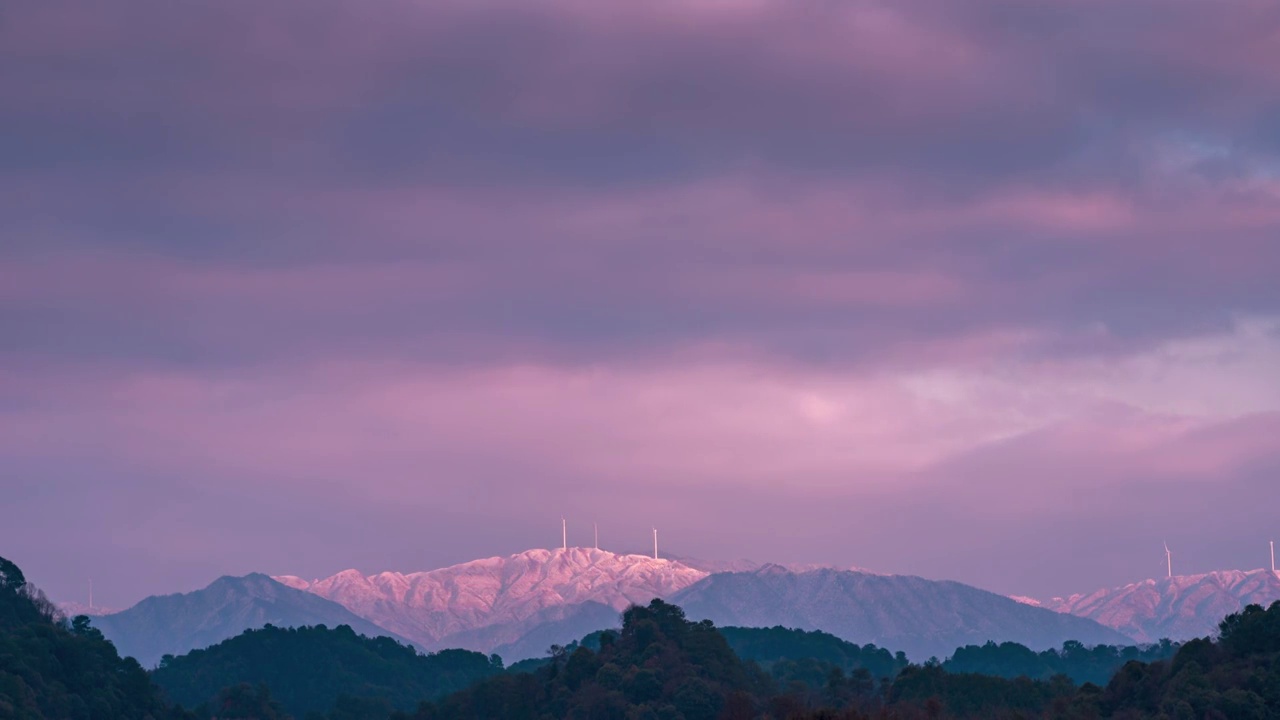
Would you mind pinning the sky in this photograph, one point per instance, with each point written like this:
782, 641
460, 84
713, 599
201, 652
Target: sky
984, 291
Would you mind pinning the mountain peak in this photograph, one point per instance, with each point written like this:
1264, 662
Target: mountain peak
918, 616
583, 556
1179, 607
772, 569
429, 607
180, 622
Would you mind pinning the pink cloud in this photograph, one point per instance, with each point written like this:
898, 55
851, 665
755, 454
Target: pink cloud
1077, 214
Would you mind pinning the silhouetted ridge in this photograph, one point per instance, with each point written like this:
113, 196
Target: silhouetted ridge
662, 665
308, 669
52, 668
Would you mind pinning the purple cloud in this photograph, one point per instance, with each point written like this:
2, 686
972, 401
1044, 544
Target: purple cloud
269, 269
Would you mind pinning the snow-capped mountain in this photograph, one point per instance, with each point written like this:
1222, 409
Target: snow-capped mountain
1178, 608
446, 607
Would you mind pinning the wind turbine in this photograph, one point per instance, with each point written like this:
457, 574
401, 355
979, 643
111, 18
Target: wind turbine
1168, 557
564, 533
655, 543
596, 526
1273, 556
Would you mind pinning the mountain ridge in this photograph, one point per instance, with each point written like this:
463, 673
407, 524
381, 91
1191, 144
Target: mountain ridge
518, 605
514, 591
901, 612
179, 622
1179, 607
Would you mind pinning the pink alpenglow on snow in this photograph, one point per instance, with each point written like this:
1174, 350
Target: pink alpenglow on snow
433, 608
1181, 607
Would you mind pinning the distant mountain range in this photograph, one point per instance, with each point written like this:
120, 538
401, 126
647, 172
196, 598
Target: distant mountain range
920, 617
483, 604
175, 624
518, 606
1179, 608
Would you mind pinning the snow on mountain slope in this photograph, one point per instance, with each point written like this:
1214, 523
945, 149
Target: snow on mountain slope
429, 607
1179, 608
899, 612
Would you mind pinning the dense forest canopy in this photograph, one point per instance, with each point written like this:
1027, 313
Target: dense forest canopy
782, 650
1082, 664
308, 669
52, 668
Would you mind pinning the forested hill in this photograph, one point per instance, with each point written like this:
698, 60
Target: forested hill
663, 666
1234, 678
50, 668
659, 666
1082, 664
308, 669
786, 652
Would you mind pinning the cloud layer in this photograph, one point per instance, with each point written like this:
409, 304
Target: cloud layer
914, 286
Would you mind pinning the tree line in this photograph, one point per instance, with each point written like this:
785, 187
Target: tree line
659, 666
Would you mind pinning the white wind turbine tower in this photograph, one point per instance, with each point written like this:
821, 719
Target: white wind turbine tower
596, 526
1273, 556
1168, 558
655, 543
564, 534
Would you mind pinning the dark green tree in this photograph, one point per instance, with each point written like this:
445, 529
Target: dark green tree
50, 668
